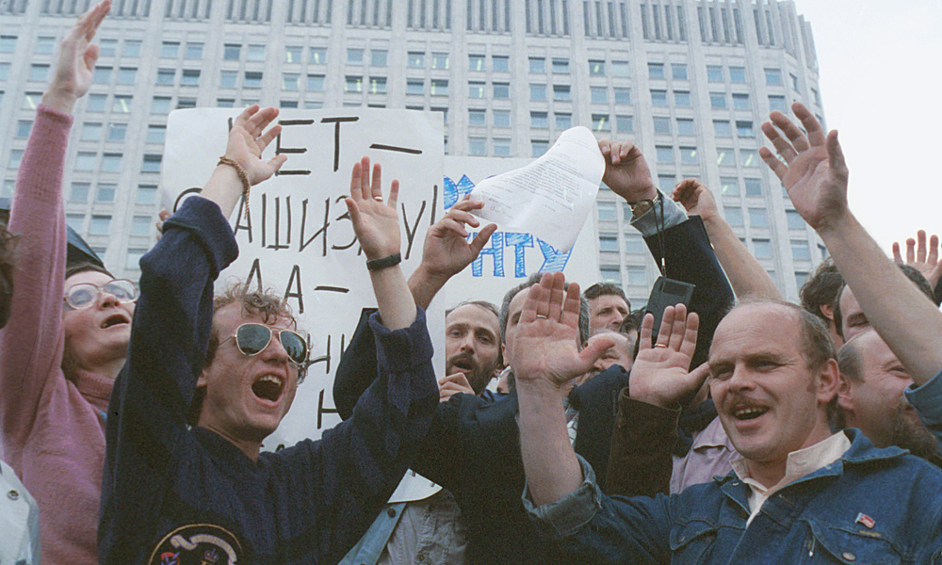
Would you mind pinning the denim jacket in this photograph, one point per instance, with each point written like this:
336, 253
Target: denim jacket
873, 506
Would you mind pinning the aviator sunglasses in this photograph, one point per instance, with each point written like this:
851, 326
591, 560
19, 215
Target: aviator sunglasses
84, 295
252, 339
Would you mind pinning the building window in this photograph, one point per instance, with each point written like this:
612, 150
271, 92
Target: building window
501, 90
773, 77
111, 163
290, 81
620, 69
611, 274
656, 71
714, 73
662, 126
501, 118
634, 244
255, 53
762, 248
607, 213
475, 62
758, 217
151, 164
160, 105
353, 84
40, 73
685, 127
601, 122
563, 120
191, 77
539, 120
354, 56
665, 183
46, 45
378, 57
101, 75
622, 95
317, 56
737, 75
416, 60
729, 186
678, 71
561, 93
156, 133
596, 68
167, 76
538, 92
637, 276
79, 192
253, 79
688, 156
225, 102
477, 146
117, 131
794, 220
560, 66
682, 98
293, 53
608, 243
439, 87
753, 187
140, 227
659, 98
121, 104
777, 103
84, 161
231, 52
105, 192
745, 129
170, 49
193, 51
725, 157
440, 61
749, 157
501, 147
7, 43
794, 80
75, 221
146, 194
415, 86
377, 85
537, 65
800, 250
733, 217
477, 118
665, 154
90, 131
538, 147
598, 94
717, 100
740, 101
132, 47
476, 89
101, 225
624, 124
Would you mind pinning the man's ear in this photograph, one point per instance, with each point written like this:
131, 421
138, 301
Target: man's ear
845, 394
827, 310
201, 380
829, 381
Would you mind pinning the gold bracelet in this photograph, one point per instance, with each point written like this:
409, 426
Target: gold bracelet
246, 185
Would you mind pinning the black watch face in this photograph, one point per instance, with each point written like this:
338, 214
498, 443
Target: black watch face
198, 544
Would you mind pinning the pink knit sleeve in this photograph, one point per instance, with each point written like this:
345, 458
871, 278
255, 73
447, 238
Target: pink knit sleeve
31, 343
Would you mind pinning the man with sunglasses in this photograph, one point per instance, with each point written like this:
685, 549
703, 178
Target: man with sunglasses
205, 493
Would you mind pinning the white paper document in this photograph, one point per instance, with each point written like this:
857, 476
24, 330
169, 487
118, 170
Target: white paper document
552, 196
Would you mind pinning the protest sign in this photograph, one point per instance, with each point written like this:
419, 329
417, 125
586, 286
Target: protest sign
297, 237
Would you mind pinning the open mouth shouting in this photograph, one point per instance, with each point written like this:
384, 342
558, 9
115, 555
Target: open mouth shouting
268, 387
462, 363
745, 410
115, 319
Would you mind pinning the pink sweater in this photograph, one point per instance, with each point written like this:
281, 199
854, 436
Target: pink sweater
51, 423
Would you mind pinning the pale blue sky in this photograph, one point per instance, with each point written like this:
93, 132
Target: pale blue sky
880, 63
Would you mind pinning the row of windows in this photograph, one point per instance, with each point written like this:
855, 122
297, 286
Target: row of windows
89, 161
634, 245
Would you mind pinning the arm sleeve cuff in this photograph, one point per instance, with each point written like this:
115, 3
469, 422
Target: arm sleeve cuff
569, 514
204, 220
649, 222
927, 400
400, 350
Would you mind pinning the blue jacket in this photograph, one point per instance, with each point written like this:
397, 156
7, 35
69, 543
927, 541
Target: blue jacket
872, 506
170, 490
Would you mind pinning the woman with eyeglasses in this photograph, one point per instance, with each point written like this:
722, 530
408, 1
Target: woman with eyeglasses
68, 331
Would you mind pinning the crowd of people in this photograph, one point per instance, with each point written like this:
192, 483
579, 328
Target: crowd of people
564, 428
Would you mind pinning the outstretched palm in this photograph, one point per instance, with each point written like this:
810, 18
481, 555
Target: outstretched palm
814, 172
626, 171
661, 372
375, 223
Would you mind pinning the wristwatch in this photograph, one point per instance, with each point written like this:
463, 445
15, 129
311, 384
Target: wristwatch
639, 208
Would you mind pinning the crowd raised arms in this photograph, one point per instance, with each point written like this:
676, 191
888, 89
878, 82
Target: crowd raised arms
563, 427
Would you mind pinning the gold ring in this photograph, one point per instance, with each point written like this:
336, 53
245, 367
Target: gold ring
660, 345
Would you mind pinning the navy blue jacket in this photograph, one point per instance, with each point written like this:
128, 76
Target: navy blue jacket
175, 494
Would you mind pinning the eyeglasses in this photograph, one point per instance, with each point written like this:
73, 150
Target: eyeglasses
252, 339
84, 295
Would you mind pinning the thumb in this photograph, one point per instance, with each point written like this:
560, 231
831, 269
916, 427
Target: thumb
595, 348
695, 379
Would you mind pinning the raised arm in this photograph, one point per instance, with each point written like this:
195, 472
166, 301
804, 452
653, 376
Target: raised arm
815, 175
37, 216
745, 274
923, 258
545, 358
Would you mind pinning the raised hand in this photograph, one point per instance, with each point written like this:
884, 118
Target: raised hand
814, 172
661, 373
926, 261
696, 198
76, 63
375, 223
447, 250
544, 349
248, 139
452, 385
626, 171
